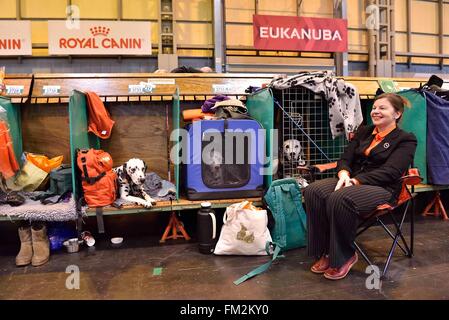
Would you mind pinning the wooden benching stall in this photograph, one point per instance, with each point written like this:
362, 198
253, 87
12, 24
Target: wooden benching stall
144, 122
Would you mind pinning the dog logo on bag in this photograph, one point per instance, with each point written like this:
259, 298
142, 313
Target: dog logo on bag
241, 235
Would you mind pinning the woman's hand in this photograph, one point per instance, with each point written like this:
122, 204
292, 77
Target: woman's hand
343, 180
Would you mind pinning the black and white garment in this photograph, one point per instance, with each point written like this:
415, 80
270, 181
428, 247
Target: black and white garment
345, 112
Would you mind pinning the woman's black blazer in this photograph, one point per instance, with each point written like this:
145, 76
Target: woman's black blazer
386, 162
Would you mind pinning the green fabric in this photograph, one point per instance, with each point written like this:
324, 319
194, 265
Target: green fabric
61, 180
260, 106
176, 124
14, 123
413, 120
80, 138
284, 200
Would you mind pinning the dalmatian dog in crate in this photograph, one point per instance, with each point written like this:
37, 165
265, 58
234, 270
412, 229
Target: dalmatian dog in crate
214, 162
292, 157
131, 179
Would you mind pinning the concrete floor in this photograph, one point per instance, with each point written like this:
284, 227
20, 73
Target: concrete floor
130, 272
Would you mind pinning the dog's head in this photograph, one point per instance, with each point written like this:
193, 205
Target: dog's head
135, 169
293, 151
213, 158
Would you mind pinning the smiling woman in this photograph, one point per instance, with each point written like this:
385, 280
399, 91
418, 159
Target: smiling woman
368, 175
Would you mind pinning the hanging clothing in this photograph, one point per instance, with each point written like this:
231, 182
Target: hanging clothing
444, 94
8, 162
100, 122
437, 142
345, 112
210, 103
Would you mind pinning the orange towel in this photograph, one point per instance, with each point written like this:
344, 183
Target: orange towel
100, 122
8, 162
194, 114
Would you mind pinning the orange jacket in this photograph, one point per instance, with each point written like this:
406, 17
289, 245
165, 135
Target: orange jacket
8, 162
100, 122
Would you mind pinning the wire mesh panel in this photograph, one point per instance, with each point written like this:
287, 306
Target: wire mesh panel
305, 110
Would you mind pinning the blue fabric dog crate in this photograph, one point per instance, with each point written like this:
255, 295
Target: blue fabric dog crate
225, 159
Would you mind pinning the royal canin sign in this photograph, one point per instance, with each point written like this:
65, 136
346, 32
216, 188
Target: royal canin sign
15, 38
300, 33
100, 38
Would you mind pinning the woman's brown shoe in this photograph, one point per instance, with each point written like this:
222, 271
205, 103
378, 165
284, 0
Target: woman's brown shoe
321, 265
340, 273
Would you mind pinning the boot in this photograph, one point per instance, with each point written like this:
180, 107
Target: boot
26, 248
41, 245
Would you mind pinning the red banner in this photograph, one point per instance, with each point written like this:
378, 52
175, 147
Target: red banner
289, 33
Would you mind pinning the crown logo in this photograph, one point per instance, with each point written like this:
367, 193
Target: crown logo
103, 31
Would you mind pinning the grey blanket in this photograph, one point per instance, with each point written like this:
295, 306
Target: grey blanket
35, 211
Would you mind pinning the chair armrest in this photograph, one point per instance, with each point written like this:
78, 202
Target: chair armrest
412, 178
326, 166
318, 167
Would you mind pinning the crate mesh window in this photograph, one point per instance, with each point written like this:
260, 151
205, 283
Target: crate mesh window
310, 111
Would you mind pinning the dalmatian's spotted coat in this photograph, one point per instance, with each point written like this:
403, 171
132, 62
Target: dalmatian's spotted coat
131, 179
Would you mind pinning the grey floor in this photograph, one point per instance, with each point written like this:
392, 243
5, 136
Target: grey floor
143, 269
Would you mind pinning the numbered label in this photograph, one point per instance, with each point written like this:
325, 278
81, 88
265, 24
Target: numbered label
223, 88
51, 90
14, 90
135, 88
141, 88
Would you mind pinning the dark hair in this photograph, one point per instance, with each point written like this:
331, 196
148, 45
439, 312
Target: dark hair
396, 101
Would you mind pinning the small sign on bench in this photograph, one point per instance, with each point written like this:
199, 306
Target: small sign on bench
141, 88
224, 88
14, 90
51, 90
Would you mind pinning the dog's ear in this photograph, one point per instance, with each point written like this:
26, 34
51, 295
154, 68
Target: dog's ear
124, 172
144, 166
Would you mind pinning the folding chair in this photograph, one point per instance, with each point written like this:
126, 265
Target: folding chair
405, 200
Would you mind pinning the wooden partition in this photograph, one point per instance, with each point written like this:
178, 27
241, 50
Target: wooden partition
48, 121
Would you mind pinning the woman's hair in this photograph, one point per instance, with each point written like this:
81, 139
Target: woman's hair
396, 101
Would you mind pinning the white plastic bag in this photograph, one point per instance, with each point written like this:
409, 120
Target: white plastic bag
244, 231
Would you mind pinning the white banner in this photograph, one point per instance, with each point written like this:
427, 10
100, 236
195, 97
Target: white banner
15, 38
99, 38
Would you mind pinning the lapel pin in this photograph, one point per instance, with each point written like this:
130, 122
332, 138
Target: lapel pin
386, 145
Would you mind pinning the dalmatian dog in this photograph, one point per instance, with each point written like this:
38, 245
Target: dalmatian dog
131, 179
292, 152
292, 157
